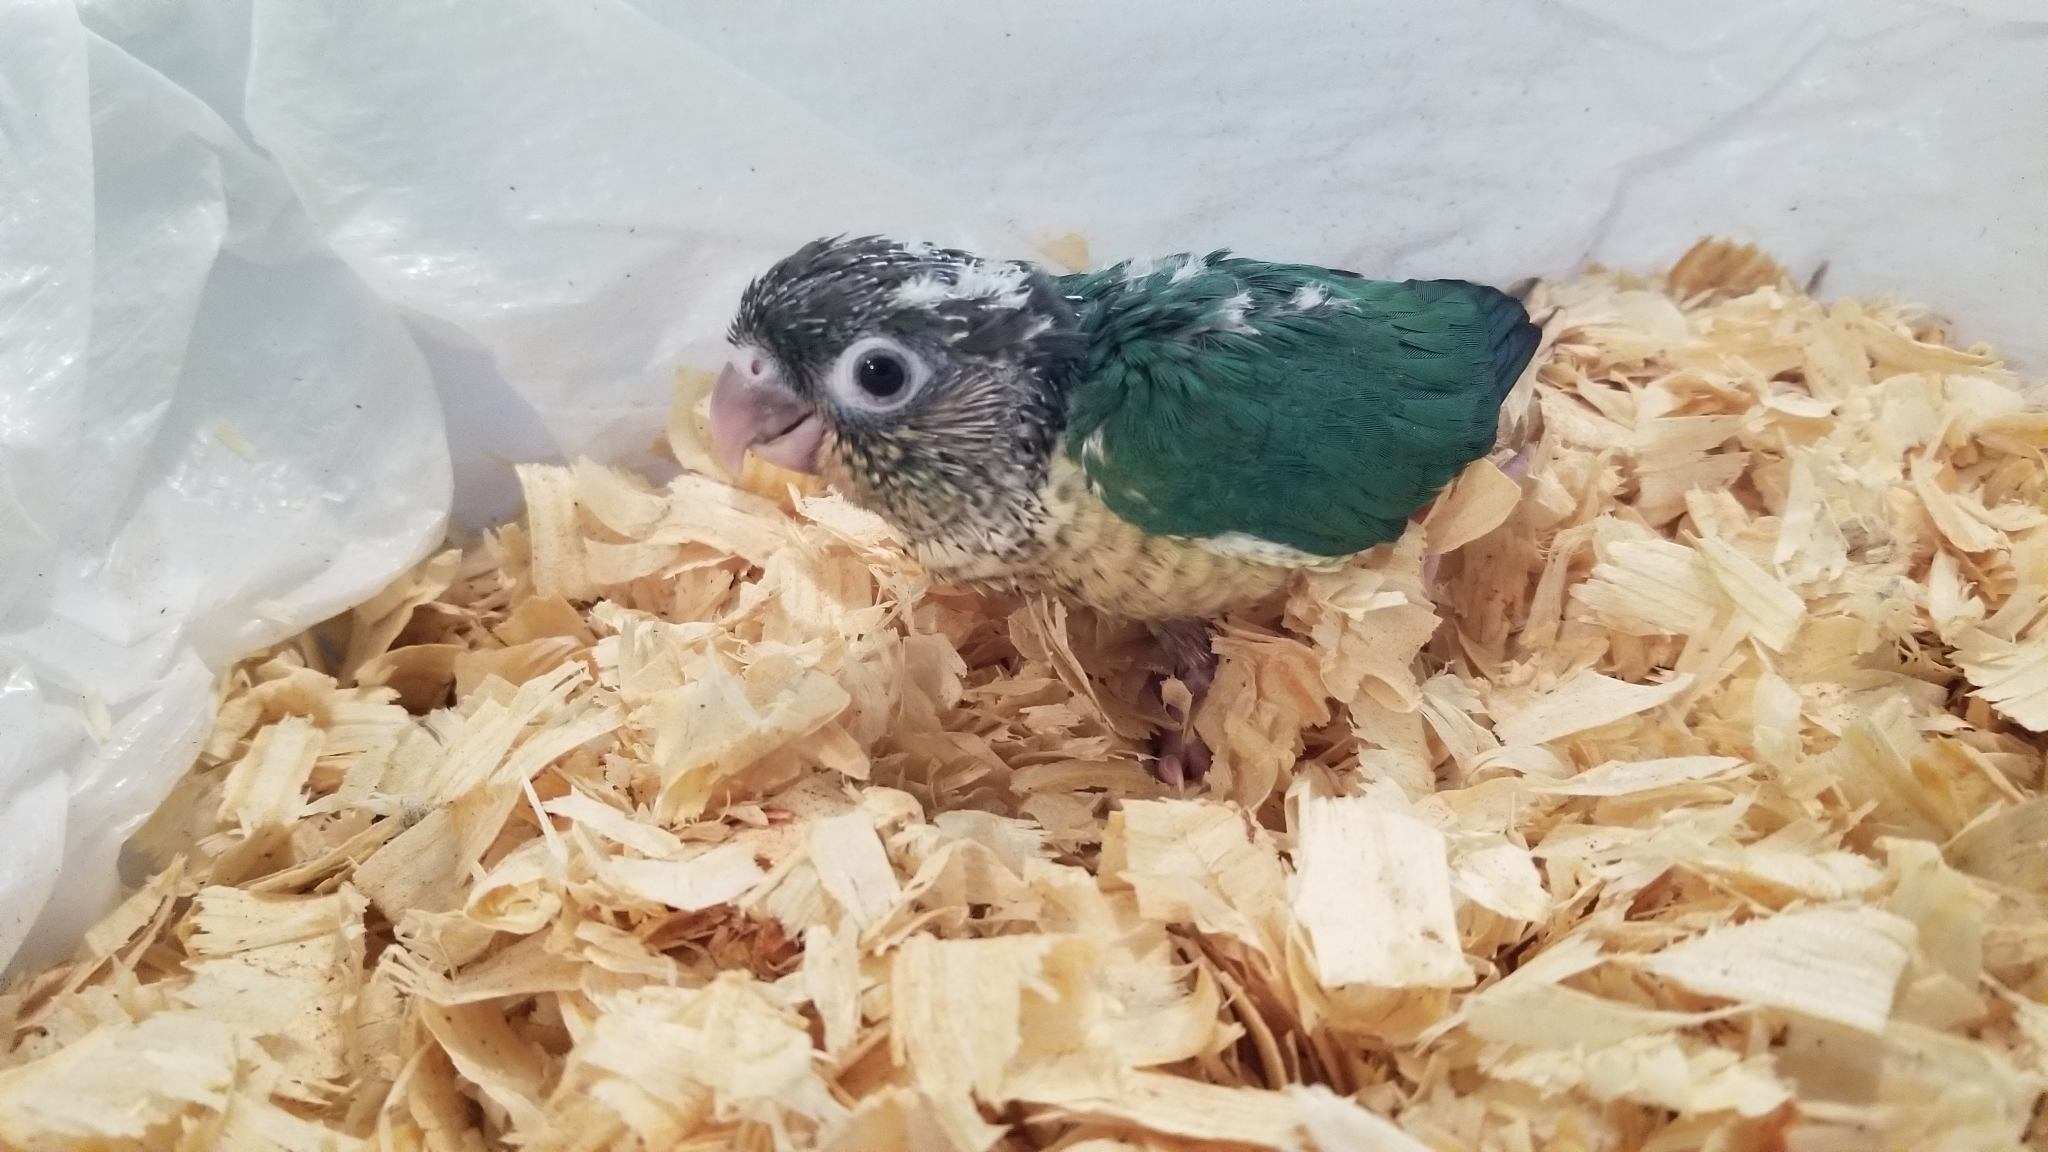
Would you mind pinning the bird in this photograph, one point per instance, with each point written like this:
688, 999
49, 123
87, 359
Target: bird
1161, 440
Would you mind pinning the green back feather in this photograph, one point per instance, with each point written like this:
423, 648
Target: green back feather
1298, 405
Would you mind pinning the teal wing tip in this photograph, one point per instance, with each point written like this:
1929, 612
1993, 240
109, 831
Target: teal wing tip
1511, 338
1494, 320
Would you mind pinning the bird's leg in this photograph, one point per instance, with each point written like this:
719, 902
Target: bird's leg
1182, 757
1517, 466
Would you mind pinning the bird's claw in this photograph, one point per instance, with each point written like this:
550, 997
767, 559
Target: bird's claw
1182, 757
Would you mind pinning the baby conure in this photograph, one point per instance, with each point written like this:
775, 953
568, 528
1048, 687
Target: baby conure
1163, 441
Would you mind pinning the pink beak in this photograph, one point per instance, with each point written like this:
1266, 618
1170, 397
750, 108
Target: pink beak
752, 410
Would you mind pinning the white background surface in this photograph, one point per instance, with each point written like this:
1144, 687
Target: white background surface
281, 281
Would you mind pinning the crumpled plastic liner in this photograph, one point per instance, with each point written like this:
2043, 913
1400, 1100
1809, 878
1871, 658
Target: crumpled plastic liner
281, 284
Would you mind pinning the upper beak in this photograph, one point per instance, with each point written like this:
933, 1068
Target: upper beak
752, 410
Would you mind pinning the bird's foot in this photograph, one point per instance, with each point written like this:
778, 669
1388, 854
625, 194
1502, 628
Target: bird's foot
1516, 467
1180, 756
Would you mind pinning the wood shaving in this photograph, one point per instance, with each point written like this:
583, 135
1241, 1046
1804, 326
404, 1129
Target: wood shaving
1373, 893
1683, 791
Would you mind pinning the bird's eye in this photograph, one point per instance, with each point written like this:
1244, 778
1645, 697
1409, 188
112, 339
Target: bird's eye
876, 374
881, 374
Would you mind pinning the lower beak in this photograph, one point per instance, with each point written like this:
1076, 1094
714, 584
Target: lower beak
758, 414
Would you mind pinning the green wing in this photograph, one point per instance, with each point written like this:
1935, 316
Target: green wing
1299, 406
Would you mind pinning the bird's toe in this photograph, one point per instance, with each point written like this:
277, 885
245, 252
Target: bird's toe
1180, 758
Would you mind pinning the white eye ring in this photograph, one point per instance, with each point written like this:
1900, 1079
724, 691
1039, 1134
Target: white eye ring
876, 374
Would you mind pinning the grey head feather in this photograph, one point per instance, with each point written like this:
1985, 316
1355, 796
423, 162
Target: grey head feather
962, 463
830, 292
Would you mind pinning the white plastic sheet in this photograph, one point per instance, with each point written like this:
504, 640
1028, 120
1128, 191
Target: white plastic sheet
282, 282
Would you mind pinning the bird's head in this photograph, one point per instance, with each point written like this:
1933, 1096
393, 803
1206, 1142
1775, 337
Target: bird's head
927, 380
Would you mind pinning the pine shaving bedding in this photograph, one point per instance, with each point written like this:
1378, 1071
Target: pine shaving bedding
1686, 793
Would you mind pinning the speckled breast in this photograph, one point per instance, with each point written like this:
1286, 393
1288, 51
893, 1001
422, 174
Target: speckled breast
1086, 553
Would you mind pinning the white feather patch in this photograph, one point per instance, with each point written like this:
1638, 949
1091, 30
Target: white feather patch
1316, 298
1231, 316
1191, 266
1003, 285
1245, 546
1138, 269
922, 291
1309, 297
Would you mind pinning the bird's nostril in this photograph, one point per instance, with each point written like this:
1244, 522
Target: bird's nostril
755, 368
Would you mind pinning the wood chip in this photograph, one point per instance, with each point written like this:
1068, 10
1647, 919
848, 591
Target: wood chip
286, 971
2012, 676
1373, 891
1627, 778
1201, 864
264, 788
852, 866
1588, 700
120, 1083
1840, 965
1477, 502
